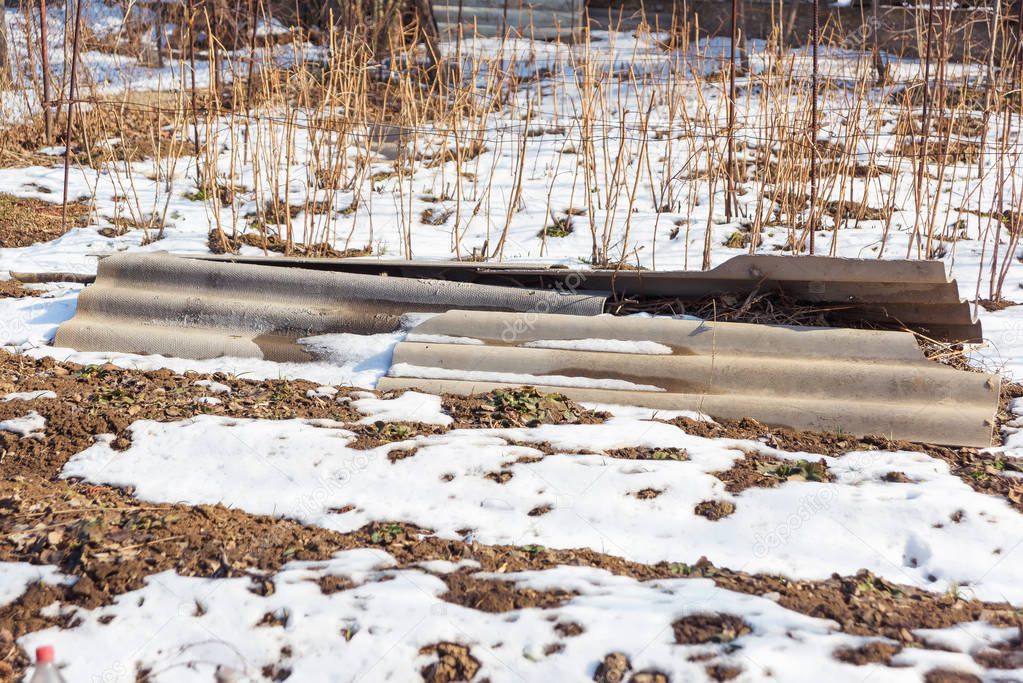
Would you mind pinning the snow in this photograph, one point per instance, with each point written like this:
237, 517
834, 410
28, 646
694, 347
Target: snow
215, 387
28, 395
440, 339
933, 531
183, 628
517, 378
905, 532
30, 424
28, 324
15, 577
411, 406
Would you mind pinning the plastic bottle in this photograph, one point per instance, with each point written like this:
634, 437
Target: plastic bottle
46, 670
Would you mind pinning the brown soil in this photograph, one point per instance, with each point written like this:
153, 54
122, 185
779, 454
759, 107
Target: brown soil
569, 629
95, 400
755, 470
221, 243
949, 676
645, 453
454, 663
867, 605
523, 407
12, 289
787, 439
992, 305
112, 541
941, 150
24, 222
24, 616
501, 477
649, 677
499, 596
335, 584
722, 672
139, 123
698, 629
849, 210
983, 472
380, 433
1007, 655
875, 652
714, 509
613, 668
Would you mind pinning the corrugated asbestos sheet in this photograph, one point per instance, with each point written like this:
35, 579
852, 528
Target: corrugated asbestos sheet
194, 308
539, 19
912, 294
859, 382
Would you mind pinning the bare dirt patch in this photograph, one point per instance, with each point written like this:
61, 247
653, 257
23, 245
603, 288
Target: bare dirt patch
698, 629
613, 668
989, 473
786, 439
25, 615
494, 595
646, 453
949, 676
95, 400
714, 509
755, 470
380, 433
865, 604
1007, 655
722, 672
649, 677
454, 663
12, 289
540, 510
875, 652
220, 242
569, 629
111, 541
24, 221
524, 407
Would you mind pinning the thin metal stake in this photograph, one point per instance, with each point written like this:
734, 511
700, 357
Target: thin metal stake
813, 126
730, 177
45, 55
71, 92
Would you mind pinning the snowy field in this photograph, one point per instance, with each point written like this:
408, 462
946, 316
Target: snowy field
618, 548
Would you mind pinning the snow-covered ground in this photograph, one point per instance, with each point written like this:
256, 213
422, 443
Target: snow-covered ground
186, 628
931, 530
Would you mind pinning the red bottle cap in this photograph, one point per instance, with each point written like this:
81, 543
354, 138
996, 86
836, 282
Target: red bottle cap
44, 654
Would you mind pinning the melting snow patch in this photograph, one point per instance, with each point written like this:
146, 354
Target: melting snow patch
215, 387
29, 395
183, 628
367, 355
933, 532
411, 406
517, 379
441, 339
15, 577
32, 424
